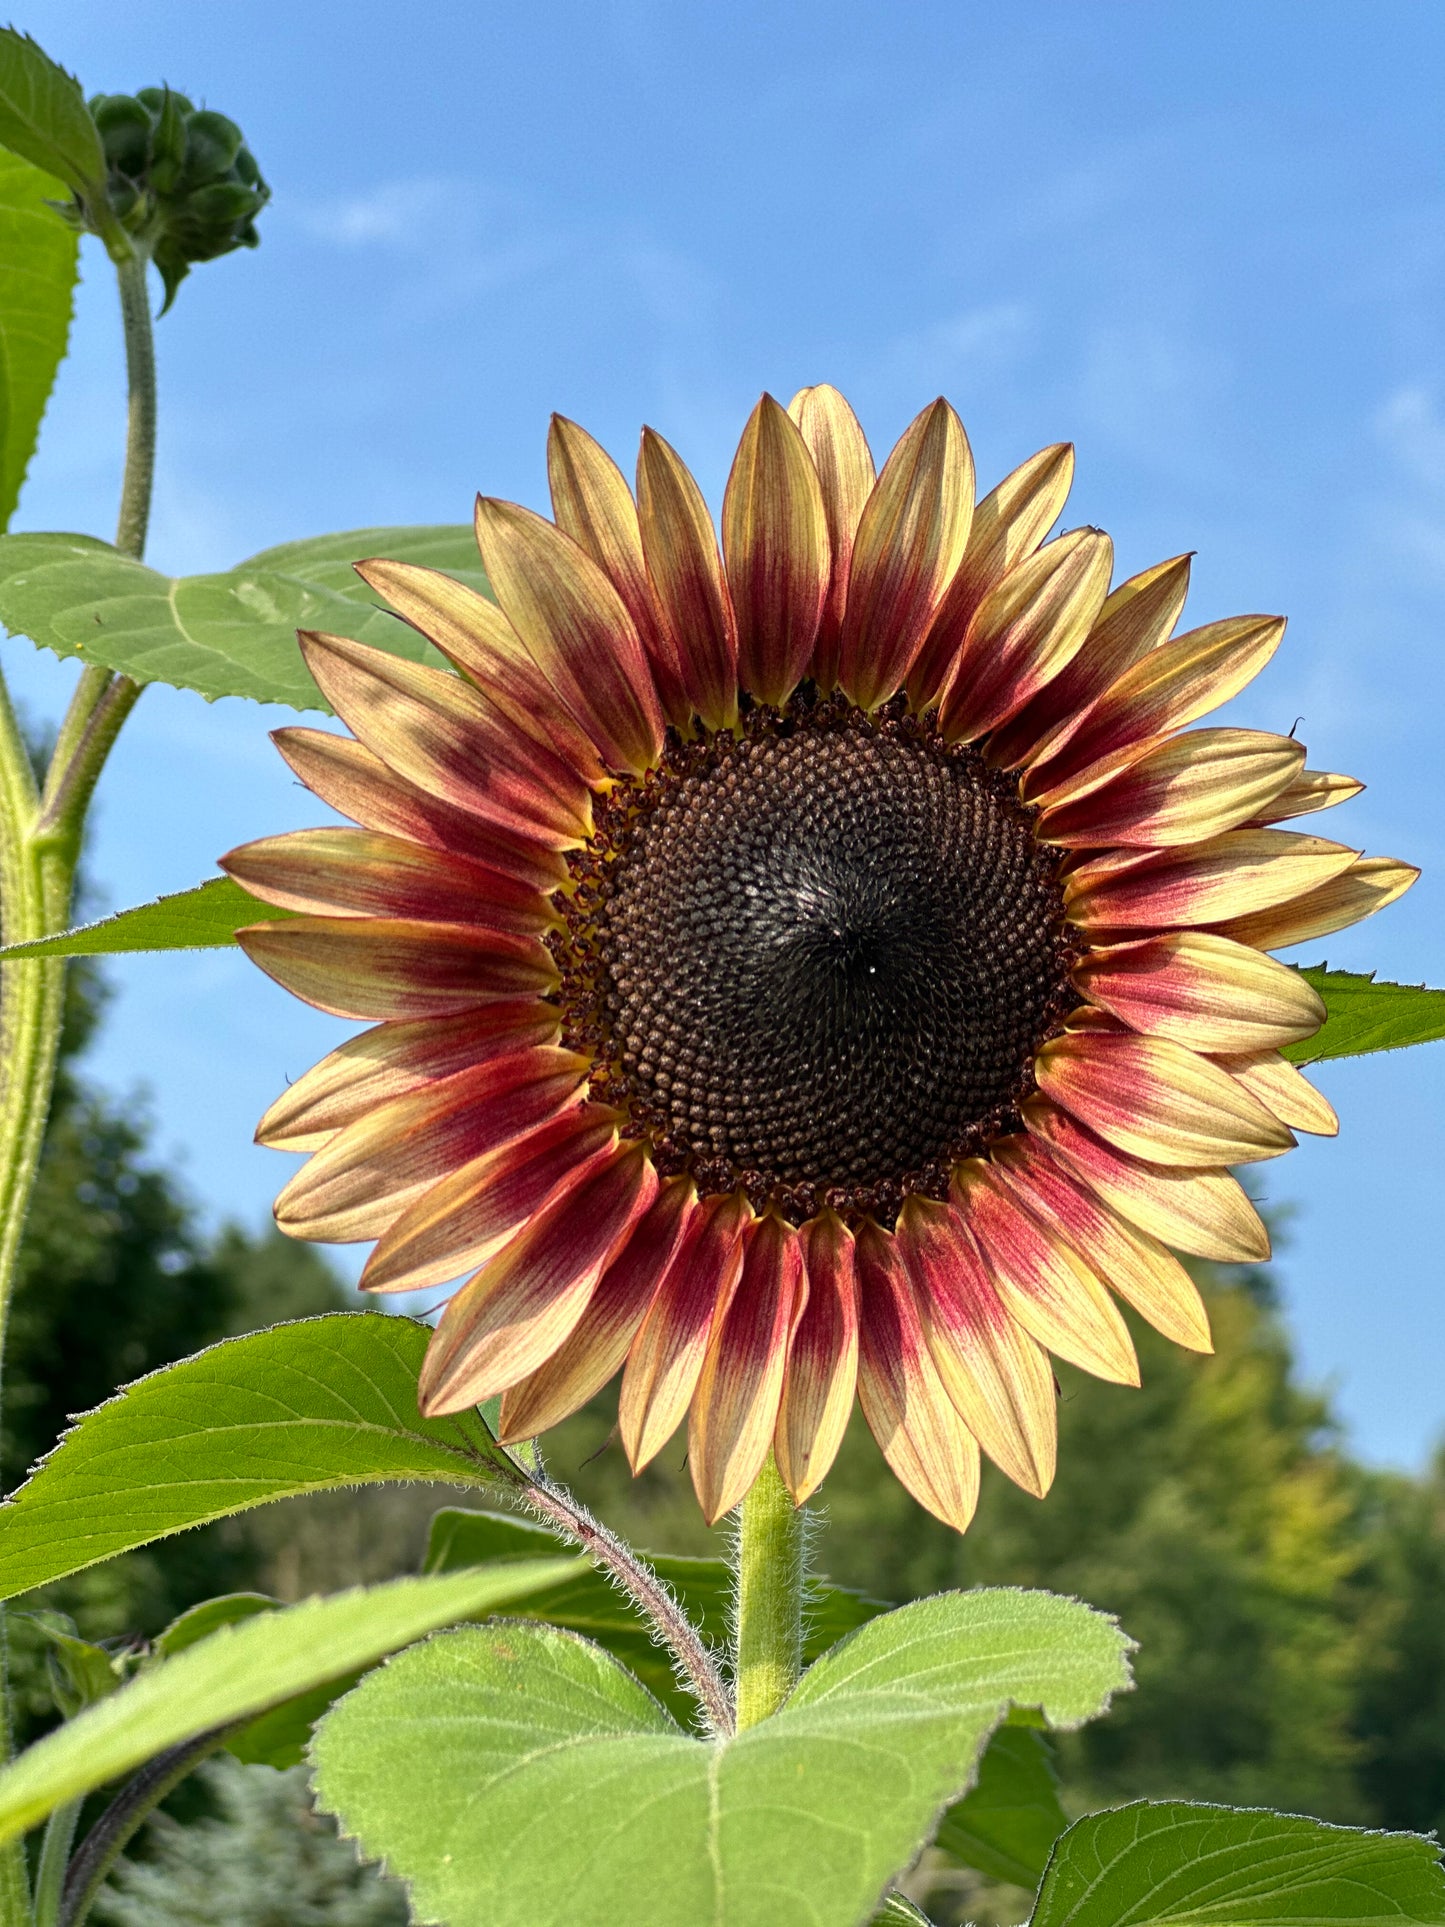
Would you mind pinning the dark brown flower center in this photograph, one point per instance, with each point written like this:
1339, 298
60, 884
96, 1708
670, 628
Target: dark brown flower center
817, 959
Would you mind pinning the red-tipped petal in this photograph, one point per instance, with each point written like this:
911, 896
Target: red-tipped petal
1138, 1267
1204, 1212
1230, 875
441, 734
394, 1059
666, 1356
354, 782
917, 1426
1008, 525
460, 1221
910, 541
775, 542
735, 1406
593, 504
583, 1363
576, 629
1042, 1280
844, 463
1025, 631
995, 1374
391, 967
471, 632
1202, 991
1182, 790
822, 1360
685, 571
359, 1182
1370, 883
1281, 1089
1173, 685
1135, 618
360, 873
1157, 1100
526, 1300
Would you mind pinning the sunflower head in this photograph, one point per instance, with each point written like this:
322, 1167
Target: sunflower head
823, 962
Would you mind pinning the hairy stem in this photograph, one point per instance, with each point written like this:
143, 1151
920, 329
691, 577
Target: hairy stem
769, 1606
54, 1859
140, 434
117, 1826
647, 1591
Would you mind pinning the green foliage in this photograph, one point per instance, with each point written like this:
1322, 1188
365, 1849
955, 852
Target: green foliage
298, 1408
591, 1605
38, 265
43, 115
896, 1911
1174, 1863
1007, 1825
266, 1857
1368, 1016
516, 1774
232, 634
241, 1670
206, 918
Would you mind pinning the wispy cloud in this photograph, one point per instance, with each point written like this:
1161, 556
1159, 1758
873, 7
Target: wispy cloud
393, 212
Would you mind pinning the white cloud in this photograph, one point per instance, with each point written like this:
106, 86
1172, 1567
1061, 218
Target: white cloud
394, 211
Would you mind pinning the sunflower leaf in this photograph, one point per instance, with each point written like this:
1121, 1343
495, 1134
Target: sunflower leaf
243, 1669
206, 918
43, 115
232, 634
442, 1762
302, 1407
39, 259
592, 1606
898, 1911
1006, 1827
1366, 1015
1171, 1862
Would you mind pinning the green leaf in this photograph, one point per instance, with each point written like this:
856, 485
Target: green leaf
199, 1622
517, 1776
232, 634
303, 1407
1006, 1827
44, 118
1368, 1016
242, 1669
897, 1911
1149, 1863
39, 258
206, 918
590, 1604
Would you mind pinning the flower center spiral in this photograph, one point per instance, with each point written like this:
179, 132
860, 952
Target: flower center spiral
816, 959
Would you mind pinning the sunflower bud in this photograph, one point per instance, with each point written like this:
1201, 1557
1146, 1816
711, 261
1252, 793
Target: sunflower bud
180, 180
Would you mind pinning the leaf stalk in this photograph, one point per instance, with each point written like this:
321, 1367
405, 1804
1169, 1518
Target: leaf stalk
771, 1568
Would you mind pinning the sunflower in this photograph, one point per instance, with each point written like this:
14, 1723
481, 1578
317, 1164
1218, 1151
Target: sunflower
818, 963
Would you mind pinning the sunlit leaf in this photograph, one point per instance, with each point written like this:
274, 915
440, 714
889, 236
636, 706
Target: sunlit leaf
43, 115
206, 918
243, 1669
517, 1774
303, 1407
38, 263
1151, 1864
1368, 1016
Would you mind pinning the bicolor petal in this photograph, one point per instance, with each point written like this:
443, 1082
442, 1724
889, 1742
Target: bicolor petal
1156, 1100
529, 1298
996, 1376
666, 1356
686, 574
1367, 886
1181, 790
584, 1362
1312, 789
918, 1429
846, 475
397, 967
911, 538
735, 1406
822, 1359
574, 626
1282, 1089
1203, 991
1231, 875
776, 547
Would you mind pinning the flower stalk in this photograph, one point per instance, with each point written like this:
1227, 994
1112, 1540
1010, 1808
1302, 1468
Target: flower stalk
769, 1608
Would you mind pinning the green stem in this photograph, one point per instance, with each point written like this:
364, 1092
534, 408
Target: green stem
140, 435
770, 1574
54, 1859
118, 1825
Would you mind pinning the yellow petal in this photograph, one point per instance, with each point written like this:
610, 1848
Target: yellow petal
775, 543
846, 474
1280, 1088
1203, 991
1367, 886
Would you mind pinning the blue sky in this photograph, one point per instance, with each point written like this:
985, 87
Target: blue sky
1205, 244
